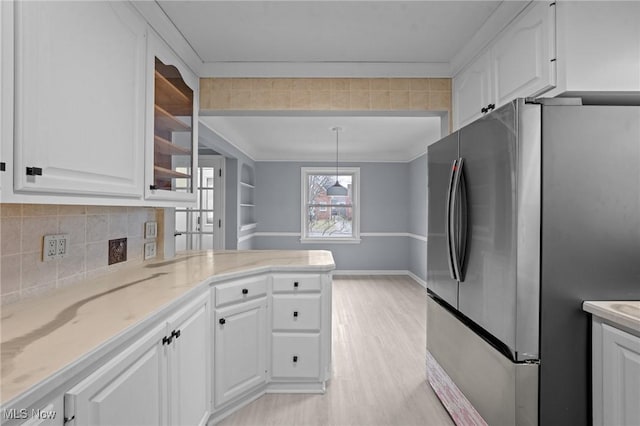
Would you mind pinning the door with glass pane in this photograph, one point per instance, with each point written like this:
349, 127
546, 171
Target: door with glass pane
202, 227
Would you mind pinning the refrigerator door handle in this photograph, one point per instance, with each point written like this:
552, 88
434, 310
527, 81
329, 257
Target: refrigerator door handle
458, 217
449, 223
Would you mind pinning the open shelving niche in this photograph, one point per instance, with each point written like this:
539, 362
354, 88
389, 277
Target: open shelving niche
247, 203
173, 115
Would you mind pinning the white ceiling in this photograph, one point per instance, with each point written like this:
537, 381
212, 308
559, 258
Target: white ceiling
310, 138
328, 31
345, 38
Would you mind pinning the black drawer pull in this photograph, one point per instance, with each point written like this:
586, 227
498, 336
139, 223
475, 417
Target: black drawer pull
295, 314
3, 167
295, 284
222, 321
245, 291
175, 333
295, 358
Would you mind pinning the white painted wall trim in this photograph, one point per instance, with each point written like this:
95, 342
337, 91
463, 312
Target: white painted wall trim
357, 272
418, 237
326, 69
246, 237
362, 234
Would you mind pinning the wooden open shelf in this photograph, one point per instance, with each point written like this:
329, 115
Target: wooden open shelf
167, 121
164, 173
173, 99
163, 146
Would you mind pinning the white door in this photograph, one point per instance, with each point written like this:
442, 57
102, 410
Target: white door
240, 349
189, 364
127, 391
202, 227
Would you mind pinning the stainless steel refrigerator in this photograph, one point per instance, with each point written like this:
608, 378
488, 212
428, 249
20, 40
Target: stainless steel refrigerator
532, 209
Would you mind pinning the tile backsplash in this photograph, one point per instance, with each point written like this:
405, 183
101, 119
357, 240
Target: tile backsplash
23, 226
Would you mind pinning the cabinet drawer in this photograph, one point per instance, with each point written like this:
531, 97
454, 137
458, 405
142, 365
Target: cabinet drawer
296, 312
297, 283
239, 291
295, 355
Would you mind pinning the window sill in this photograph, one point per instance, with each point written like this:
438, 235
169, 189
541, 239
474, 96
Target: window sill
330, 240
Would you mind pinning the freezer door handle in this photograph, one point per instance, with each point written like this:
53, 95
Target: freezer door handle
458, 218
449, 223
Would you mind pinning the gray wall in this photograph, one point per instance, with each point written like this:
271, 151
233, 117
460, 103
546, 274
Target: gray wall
234, 159
418, 217
385, 208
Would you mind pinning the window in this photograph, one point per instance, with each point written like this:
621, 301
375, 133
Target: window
326, 217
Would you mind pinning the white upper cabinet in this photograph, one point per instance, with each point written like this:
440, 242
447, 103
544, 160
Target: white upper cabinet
472, 91
523, 59
172, 125
519, 63
598, 46
79, 98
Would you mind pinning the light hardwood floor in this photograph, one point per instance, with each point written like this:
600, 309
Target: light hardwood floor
379, 378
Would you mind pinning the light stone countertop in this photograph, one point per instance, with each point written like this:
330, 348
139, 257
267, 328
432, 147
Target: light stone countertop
622, 313
42, 336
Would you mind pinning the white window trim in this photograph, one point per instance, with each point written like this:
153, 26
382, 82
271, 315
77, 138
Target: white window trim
355, 202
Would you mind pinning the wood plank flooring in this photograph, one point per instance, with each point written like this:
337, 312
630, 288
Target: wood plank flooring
379, 341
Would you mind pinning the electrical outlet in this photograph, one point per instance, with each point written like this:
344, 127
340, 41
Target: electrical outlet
55, 247
117, 251
149, 250
151, 229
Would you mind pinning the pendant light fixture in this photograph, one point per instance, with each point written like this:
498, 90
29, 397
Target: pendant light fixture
337, 189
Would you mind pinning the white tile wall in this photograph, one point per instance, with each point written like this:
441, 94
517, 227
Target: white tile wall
22, 227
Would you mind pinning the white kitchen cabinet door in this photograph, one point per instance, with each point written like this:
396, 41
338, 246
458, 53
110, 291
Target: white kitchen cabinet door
620, 377
472, 91
171, 152
240, 349
128, 390
523, 58
79, 98
189, 364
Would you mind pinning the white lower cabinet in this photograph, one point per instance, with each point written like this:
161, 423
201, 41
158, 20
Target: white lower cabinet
295, 356
128, 390
189, 364
620, 378
240, 349
207, 357
159, 379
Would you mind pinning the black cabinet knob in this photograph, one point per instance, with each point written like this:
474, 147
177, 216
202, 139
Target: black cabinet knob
222, 321
175, 333
295, 284
484, 110
3, 167
295, 314
491, 106
245, 291
295, 358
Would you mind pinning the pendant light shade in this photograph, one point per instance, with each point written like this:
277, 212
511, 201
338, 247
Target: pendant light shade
336, 189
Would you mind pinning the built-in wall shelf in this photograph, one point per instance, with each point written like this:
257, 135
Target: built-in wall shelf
168, 122
247, 194
248, 226
164, 173
163, 146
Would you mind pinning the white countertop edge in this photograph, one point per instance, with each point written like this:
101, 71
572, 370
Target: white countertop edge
603, 310
55, 382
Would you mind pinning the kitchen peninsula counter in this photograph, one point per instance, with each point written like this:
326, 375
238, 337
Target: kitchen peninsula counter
625, 314
46, 339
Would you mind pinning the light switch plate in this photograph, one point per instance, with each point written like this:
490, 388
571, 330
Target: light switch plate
151, 229
149, 250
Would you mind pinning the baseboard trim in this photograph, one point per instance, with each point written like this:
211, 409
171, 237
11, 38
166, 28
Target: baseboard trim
356, 272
